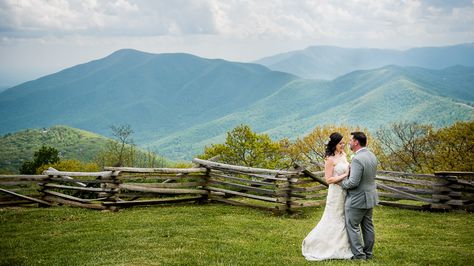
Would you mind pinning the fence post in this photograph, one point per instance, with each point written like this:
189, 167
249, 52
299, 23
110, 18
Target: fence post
114, 187
457, 193
442, 192
207, 176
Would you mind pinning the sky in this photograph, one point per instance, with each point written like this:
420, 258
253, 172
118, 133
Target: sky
40, 37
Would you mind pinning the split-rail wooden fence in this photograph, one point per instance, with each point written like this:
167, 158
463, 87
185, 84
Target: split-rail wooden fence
277, 190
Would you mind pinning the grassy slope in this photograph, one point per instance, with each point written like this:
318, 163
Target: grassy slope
217, 235
72, 143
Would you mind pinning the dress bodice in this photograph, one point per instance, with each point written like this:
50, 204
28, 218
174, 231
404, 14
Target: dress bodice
341, 166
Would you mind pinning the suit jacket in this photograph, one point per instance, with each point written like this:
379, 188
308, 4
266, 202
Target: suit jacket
360, 185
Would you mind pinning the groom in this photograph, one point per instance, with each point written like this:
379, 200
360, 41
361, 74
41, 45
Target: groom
361, 197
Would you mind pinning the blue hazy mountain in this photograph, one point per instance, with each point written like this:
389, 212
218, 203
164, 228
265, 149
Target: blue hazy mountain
178, 103
329, 62
370, 98
156, 94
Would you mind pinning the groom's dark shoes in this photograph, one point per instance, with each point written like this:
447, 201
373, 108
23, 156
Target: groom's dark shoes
360, 257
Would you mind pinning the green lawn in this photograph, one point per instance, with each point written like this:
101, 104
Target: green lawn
216, 234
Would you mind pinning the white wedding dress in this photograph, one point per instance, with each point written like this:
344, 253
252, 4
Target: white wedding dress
329, 240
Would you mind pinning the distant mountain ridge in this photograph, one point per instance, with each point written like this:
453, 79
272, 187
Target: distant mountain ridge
159, 93
370, 99
329, 62
178, 103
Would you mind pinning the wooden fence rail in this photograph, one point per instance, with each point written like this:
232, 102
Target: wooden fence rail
276, 190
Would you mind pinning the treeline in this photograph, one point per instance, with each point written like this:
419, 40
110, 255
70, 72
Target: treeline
119, 151
404, 146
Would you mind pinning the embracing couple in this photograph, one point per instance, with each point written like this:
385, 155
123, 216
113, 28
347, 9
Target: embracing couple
346, 230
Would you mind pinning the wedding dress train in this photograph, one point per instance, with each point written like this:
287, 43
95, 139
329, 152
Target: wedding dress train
329, 240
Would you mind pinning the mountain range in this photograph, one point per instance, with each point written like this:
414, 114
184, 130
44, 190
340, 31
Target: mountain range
329, 62
178, 103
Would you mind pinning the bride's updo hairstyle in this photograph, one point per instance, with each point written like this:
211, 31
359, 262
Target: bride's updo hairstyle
334, 139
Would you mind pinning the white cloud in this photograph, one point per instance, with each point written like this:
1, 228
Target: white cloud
301, 19
74, 31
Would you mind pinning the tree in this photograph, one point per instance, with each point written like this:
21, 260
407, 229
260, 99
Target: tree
453, 148
414, 147
45, 155
121, 151
310, 149
406, 146
123, 135
247, 148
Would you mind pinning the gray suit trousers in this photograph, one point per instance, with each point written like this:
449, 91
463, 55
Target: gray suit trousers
358, 220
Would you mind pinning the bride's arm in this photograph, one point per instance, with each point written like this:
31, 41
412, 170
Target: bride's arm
328, 169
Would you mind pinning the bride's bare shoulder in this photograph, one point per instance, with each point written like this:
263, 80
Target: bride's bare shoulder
329, 160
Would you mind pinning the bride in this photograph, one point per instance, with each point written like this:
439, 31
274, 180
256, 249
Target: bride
329, 240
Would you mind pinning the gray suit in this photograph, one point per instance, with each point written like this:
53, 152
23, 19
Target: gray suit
360, 201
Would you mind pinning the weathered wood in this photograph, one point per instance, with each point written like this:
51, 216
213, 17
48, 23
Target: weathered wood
466, 182
403, 206
74, 203
162, 190
158, 170
244, 187
314, 196
269, 199
305, 182
90, 189
64, 196
150, 202
457, 202
413, 197
67, 177
413, 190
167, 178
169, 185
38, 178
239, 203
262, 177
293, 195
445, 173
405, 175
18, 183
243, 180
308, 173
297, 204
393, 196
76, 181
25, 197
70, 174
405, 180
312, 189
243, 168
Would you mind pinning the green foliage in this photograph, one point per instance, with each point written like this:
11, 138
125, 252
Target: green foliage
414, 147
72, 143
245, 147
70, 166
45, 155
218, 234
121, 151
453, 148
130, 155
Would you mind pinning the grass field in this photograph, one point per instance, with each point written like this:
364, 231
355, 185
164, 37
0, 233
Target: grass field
216, 234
